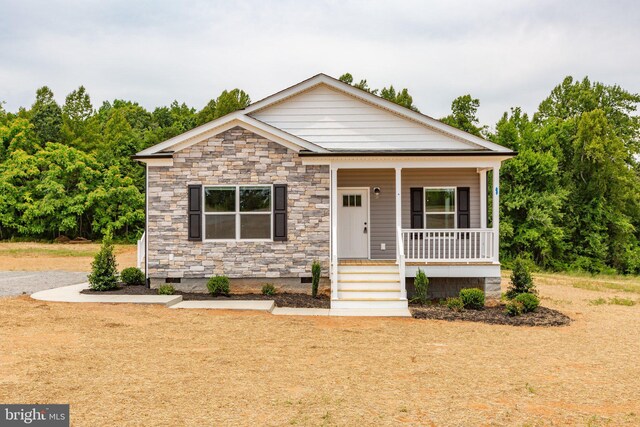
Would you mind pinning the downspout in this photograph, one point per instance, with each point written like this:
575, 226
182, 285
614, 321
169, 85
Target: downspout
146, 224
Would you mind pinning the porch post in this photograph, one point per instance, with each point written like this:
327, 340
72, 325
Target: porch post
496, 213
398, 207
483, 198
334, 232
399, 254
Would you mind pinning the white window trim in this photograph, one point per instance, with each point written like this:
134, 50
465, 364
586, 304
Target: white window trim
237, 213
455, 207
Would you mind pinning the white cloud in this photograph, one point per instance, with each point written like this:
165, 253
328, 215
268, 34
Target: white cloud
505, 53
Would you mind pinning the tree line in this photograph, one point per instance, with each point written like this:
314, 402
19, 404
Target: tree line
569, 200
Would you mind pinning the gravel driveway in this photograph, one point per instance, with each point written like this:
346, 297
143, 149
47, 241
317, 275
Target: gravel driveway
28, 282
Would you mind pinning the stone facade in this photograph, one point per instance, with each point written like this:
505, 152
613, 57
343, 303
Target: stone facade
237, 157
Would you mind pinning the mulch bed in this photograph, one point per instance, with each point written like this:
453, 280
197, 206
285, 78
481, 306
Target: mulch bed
542, 316
282, 299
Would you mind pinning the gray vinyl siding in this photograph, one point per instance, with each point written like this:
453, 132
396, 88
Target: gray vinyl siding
382, 209
467, 177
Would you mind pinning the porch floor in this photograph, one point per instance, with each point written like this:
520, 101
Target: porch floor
346, 261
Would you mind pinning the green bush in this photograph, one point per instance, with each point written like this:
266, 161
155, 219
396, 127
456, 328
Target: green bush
218, 285
472, 298
421, 283
104, 273
521, 280
316, 270
513, 308
268, 289
166, 289
529, 302
132, 276
455, 304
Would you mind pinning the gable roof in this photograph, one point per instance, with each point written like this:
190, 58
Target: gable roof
251, 119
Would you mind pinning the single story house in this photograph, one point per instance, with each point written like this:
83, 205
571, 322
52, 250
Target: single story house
324, 171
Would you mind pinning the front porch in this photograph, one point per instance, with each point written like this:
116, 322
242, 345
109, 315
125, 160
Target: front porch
398, 230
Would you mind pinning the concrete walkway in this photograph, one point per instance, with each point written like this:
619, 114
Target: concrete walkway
72, 294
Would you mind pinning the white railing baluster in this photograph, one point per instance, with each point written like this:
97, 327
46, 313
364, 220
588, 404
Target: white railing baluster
459, 245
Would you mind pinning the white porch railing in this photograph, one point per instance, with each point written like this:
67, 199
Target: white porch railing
449, 245
141, 250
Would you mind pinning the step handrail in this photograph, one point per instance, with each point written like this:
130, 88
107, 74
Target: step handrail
401, 264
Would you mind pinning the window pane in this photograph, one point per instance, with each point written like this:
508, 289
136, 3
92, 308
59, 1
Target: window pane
440, 200
255, 199
220, 199
345, 200
441, 221
255, 226
352, 200
220, 226
358, 200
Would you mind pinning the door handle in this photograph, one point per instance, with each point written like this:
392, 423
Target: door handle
365, 228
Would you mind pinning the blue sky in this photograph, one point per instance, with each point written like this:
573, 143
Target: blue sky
506, 53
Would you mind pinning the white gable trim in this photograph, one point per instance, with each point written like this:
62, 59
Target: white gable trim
225, 123
376, 101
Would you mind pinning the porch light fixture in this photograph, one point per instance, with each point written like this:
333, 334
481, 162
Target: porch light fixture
376, 192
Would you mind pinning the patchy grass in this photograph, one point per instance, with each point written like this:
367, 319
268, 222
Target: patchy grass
613, 301
203, 367
605, 286
32, 256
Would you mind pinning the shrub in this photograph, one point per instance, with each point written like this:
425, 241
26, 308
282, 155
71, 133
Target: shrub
529, 302
513, 308
521, 280
268, 289
104, 273
316, 270
166, 289
132, 276
218, 285
472, 298
455, 304
421, 283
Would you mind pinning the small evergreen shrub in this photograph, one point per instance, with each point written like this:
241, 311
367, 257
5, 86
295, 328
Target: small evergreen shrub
472, 298
268, 289
529, 302
218, 285
421, 283
521, 280
316, 270
104, 273
455, 304
166, 289
132, 276
514, 308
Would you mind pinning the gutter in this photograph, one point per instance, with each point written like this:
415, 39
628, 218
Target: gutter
408, 154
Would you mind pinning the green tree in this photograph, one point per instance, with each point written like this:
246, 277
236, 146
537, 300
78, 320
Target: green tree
463, 115
46, 116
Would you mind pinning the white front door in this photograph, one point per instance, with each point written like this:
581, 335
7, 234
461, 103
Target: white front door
353, 222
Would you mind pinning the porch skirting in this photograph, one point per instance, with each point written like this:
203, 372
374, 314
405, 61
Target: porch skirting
445, 287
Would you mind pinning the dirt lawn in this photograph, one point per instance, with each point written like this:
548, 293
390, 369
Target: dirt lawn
60, 257
142, 365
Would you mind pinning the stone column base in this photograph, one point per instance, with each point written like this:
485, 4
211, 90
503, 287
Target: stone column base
492, 289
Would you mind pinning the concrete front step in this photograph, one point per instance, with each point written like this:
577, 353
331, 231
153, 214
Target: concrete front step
367, 269
373, 303
370, 312
369, 294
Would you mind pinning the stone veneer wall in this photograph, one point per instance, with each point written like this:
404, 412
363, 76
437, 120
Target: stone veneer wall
237, 157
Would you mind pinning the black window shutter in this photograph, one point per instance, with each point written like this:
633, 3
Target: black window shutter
280, 212
194, 211
464, 211
417, 207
